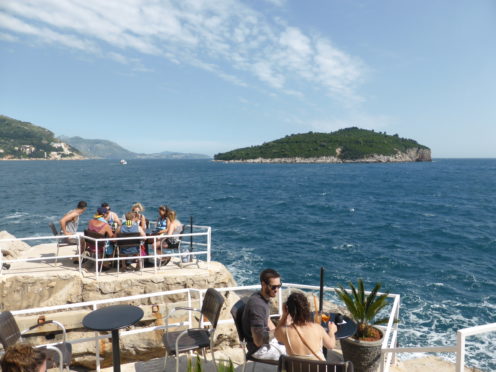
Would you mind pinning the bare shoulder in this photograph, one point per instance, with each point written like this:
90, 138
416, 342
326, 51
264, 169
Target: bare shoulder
71, 214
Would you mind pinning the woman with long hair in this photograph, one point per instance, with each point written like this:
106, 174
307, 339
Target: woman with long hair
302, 337
174, 226
160, 228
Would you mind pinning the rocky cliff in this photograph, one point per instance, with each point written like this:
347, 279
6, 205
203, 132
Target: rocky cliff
411, 155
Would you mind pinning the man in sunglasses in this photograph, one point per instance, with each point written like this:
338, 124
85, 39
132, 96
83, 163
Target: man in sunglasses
256, 322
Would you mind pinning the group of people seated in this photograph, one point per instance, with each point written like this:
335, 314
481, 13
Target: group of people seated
107, 223
295, 334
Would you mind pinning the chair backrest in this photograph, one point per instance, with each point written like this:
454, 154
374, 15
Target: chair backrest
212, 304
9, 331
95, 235
179, 239
295, 364
130, 242
53, 228
237, 314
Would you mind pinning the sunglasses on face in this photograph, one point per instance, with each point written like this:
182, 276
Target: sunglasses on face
274, 287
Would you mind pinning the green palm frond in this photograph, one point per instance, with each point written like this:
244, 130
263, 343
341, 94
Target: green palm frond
364, 309
382, 320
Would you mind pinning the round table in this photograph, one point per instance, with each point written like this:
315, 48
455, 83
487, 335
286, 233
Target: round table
113, 318
345, 329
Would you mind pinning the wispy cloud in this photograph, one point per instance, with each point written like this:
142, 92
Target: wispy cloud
226, 37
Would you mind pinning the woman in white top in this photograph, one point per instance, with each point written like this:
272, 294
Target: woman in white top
302, 337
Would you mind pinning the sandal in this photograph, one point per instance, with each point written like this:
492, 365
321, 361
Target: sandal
165, 261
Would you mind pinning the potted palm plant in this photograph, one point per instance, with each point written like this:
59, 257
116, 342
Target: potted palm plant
364, 348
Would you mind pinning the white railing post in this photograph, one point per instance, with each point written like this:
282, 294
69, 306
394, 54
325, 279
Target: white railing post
96, 258
200, 299
209, 243
396, 317
460, 351
383, 361
155, 253
190, 313
80, 258
97, 346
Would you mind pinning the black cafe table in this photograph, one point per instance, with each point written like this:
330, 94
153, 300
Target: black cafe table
346, 328
113, 318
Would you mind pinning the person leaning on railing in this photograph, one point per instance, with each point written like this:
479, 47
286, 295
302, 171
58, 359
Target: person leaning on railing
24, 358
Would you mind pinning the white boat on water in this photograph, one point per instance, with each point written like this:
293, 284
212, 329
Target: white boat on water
123, 162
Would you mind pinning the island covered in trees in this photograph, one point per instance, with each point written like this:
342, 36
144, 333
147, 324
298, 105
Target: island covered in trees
345, 145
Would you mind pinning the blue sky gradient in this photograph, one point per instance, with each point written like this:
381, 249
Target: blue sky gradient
210, 76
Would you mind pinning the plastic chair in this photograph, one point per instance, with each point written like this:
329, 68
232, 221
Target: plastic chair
295, 364
195, 338
60, 242
10, 334
237, 314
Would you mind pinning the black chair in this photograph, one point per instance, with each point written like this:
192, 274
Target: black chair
237, 314
176, 246
59, 354
131, 243
194, 338
294, 364
91, 246
60, 242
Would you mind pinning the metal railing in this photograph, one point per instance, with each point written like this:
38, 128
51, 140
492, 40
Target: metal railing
189, 292
191, 253
389, 346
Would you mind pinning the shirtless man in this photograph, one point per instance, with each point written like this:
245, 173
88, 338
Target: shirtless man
69, 223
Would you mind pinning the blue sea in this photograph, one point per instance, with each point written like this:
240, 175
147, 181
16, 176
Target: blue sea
424, 230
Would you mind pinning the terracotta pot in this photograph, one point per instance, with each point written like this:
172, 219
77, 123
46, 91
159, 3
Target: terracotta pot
365, 355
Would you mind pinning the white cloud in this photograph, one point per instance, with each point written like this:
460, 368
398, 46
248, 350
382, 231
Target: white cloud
8, 37
226, 37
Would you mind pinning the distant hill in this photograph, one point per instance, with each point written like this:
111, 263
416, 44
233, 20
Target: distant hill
23, 140
345, 145
104, 149
98, 148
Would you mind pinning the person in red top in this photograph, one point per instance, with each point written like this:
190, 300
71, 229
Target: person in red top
100, 225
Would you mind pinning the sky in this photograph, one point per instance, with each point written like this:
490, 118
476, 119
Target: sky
208, 76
